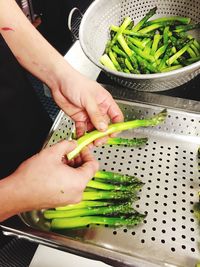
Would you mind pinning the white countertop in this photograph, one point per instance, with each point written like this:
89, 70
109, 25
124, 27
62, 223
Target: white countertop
49, 257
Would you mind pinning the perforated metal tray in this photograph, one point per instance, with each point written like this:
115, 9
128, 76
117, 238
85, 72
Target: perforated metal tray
169, 167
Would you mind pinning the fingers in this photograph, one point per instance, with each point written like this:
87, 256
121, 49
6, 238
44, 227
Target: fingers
101, 141
63, 147
95, 114
115, 113
89, 166
81, 128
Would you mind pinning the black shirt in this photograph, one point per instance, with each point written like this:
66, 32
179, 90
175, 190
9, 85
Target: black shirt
24, 124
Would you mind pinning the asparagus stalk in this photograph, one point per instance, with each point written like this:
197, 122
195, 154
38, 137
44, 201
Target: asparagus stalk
118, 51
100, 195
171, 60
183, 20
115, 177
175, 67
166, 56
140, 24
77, 222
84, 204
184, 28
109, 187
142, 54
189, 61
195, 49
123, 26
139, 43
156, 40
106, 61
191, 52
114, 209
117, 127
114, 60
160, 51
129, 32
154, 27
197, 210
166, 34
127, 142
128, 65
127, 50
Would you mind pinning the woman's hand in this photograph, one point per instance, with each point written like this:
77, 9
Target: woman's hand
87, 103
45, 181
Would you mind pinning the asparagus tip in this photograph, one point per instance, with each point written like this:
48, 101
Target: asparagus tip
160, 117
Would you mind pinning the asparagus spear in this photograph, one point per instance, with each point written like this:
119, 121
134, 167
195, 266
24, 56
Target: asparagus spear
197, 210
130, 32
77, 222
84, 204
109, 187
189, 61
140, 24
106, 61
154, 27
156, 40
126, 142
160, 51
166, 34
175, 67
166, 56
123, 26
115, 177
183, 20
90, 137
142, 54
184, 28
117, 50
113, 209
114, 60
179, 53
191, 52
139, 43
127, 50
101, 194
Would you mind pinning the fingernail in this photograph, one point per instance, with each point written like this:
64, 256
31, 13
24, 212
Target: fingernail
102, 126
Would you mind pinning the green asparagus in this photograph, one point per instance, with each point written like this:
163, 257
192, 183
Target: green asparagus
111, 210
90, 137
115, 177
78, 222
84, 204
141, 49
135, 142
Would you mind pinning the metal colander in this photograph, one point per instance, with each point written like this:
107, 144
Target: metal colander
94, 33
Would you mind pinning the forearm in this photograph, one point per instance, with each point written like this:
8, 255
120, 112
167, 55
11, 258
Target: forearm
29, 47
12, 200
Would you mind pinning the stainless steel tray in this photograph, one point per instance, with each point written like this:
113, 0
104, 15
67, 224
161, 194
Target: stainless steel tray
168, 165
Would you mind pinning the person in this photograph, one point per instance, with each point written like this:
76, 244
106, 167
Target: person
32, 179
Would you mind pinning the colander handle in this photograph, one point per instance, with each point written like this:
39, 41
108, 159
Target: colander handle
74, 26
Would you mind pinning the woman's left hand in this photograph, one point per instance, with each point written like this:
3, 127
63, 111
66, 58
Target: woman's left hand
87, 103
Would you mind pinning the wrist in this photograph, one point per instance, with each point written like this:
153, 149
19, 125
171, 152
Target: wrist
63, 74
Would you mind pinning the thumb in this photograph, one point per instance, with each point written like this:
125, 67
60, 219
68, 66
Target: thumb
95, 114
64, 147
89, 167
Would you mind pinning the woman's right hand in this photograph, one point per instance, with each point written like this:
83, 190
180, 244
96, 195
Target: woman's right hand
45, 181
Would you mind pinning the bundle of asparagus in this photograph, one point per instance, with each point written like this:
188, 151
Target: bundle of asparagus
151, 46
108, 197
